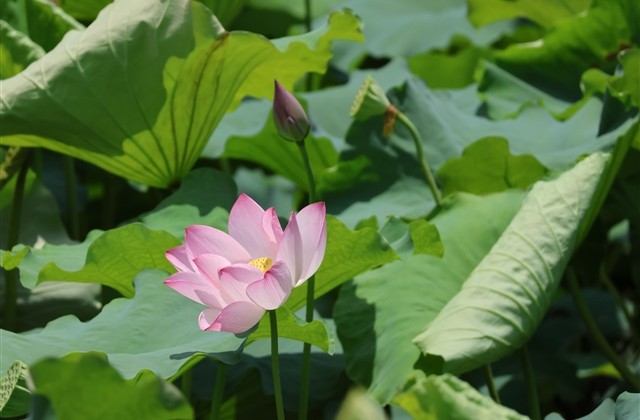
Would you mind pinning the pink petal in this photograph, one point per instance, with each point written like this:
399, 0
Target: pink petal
207, 319
274, 289
247, 225
291, 249
235, 279
179, 258
313, 230
236, 318
207, 240
209, 265
196, 287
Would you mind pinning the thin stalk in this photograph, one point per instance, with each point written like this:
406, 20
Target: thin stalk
530, 381
307, 166
424, 165
218, 391
72, 197
618, 298
11, 293
185, 383
306, 349
307, 22
490, 384
596, 334
275, 365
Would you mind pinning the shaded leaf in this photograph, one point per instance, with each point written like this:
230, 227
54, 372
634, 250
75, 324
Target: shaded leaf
507, 294
486, 166
84, 385
83, 9
16, 51
156, 330
41, 20
445, 396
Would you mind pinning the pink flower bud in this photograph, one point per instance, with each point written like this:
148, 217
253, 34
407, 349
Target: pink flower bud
289, 117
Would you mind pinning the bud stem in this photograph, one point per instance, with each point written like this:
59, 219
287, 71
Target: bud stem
431, 182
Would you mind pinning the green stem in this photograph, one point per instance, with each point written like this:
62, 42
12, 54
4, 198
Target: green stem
218, 391
620, 301
11, 293
490, 384
275, 366
306, 349
307, 166
431, 182
596, 334
530, 381
72, 197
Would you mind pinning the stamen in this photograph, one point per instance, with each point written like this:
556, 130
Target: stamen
263, 264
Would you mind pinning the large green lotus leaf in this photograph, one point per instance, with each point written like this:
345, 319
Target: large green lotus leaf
84, 385
445, 396
348, 254
156, 330
116, 257
486, 166
381, 311
452, 67
41, 20
627, 86
419, 26
142, 99
592, 39
545, 13
16, 51
447, 128
506, 95
187, 206
505, 297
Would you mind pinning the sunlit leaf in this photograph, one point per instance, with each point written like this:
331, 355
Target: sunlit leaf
169, 66
14, 394
545, 13
486, 166
445, 396
84, 385
507, 294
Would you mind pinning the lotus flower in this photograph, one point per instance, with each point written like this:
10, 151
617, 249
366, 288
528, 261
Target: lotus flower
252, 268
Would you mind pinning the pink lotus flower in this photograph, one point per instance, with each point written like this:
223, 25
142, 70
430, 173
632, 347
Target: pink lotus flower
251, 269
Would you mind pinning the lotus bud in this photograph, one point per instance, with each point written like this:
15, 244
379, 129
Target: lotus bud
289, 116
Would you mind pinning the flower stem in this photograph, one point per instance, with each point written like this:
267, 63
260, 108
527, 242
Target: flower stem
306, 349
431, 182
275, 367
11, 291
596, 334
530, 381
490, 384
218, 391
